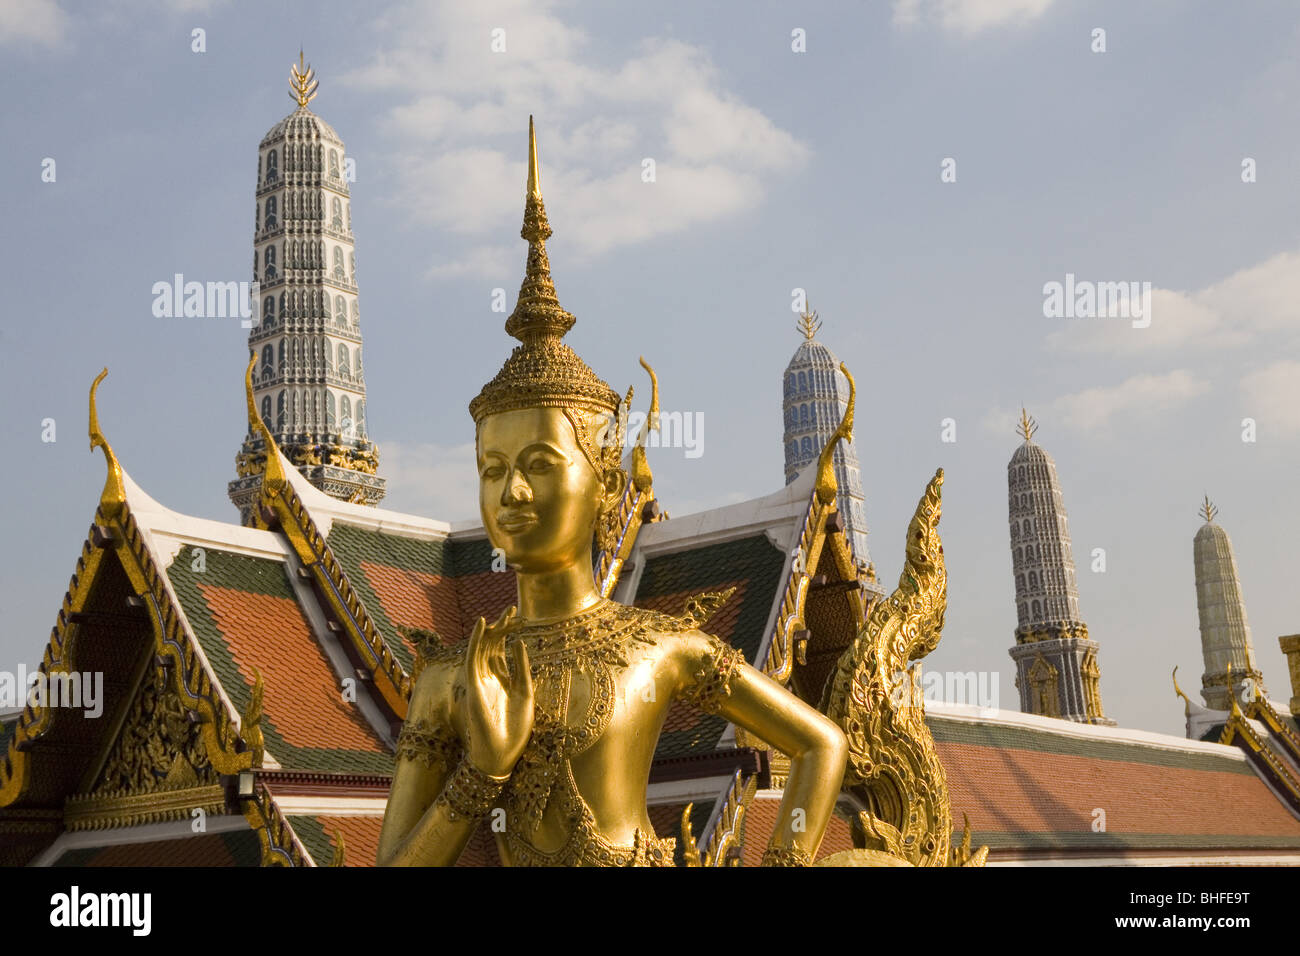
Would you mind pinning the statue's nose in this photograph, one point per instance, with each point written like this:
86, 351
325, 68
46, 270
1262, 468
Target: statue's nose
517, 490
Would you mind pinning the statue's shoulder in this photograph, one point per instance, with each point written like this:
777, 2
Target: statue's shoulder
696, 612
430, 649
689, 622
706, 662
437, 667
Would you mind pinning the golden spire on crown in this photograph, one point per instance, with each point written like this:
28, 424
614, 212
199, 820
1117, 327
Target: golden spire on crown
302, 81
542, 371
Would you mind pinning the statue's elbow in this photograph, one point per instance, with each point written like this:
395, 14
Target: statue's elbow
833, 745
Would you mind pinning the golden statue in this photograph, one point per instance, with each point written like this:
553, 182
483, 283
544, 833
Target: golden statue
545, 722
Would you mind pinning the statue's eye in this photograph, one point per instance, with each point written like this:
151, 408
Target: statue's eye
492, 472
540, 464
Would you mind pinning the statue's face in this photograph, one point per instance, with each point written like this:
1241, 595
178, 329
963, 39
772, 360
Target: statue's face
539, 497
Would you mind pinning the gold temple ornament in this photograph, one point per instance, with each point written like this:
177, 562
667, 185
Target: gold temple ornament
302, 82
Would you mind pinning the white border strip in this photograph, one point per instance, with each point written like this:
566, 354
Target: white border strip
148, 833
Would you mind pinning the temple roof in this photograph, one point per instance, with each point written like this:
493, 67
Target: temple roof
289, 652
1036, 783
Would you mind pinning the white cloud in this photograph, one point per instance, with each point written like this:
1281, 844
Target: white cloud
1260, 298
1272, 397
1235, 311
1141, 397
44, 23
461, 121
967, 16
38, 22
485, 260
436, 481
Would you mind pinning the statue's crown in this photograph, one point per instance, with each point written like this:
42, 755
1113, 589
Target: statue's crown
541, 371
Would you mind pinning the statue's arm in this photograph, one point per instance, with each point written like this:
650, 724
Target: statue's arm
721, 682
437, 797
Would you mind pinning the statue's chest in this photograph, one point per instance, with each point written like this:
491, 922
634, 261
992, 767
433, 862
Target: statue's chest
574, 703
578, 700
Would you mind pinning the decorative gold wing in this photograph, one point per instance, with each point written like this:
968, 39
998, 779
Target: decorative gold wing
893, 767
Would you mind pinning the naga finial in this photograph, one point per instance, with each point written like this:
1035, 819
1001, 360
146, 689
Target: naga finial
339, 857
1208, 511
891, 750
302, 82
1027, 425
827, 486
1233, 707
1187, 705
273, 479
641, 475
114, 495
250, 724
808, 322
690, 849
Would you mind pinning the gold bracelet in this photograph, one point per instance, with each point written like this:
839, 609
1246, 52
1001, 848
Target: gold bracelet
469, 792
786, 856
428, 743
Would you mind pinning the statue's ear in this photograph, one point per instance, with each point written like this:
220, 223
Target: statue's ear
613, 485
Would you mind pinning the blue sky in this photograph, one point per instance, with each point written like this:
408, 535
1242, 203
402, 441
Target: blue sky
775, 170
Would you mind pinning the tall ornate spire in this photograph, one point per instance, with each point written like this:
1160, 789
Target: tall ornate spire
542, 370
815, 398
1225, 634
308, 379
1056, 662
537, 312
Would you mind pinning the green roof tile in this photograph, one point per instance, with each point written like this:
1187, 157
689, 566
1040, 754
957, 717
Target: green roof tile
256, 576
752, 560
313, 837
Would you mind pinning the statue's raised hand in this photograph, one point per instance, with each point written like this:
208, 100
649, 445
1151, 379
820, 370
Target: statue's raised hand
498, 705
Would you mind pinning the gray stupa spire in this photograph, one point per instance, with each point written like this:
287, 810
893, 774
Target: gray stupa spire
309, 384
1225, 633
814, 398
1056, 663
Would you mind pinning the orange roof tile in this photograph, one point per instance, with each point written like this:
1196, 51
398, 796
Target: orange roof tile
416, 599
1014, 790
303, 698
360, 838
760, 822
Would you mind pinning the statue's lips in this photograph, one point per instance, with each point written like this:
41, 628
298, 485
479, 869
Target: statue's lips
515, 523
